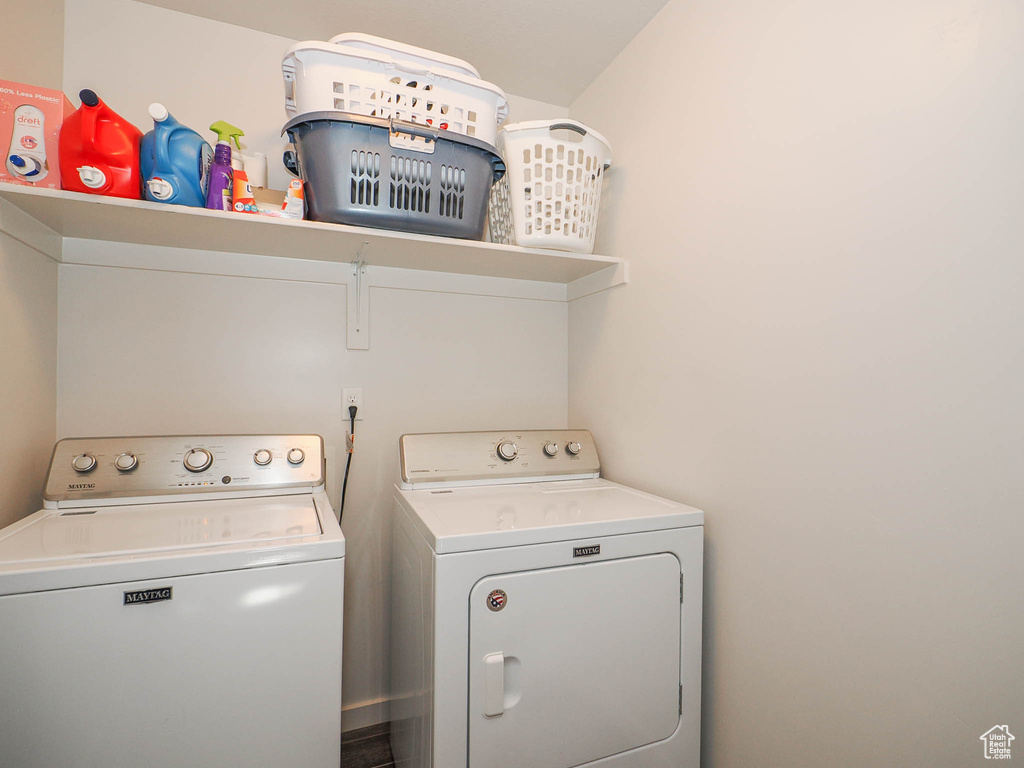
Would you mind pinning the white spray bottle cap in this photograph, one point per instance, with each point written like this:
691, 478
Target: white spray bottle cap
158, 112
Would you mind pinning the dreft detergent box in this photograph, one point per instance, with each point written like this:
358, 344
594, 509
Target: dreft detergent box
30, 120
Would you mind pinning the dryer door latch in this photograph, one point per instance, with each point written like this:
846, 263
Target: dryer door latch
494, 685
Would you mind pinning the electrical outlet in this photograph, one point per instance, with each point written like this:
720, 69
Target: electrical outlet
352, 396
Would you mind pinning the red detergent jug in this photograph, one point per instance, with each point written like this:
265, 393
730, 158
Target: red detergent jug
99, 151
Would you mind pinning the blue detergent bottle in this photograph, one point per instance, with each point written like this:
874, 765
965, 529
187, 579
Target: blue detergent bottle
175, 161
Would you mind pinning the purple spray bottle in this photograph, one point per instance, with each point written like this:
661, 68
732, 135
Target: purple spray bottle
218, 197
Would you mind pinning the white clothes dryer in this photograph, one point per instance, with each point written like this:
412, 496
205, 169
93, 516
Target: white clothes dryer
542, 617
178, 602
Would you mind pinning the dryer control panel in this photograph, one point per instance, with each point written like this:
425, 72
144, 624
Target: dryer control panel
510, 456
91, 468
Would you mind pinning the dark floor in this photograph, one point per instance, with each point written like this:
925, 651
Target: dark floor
366, 748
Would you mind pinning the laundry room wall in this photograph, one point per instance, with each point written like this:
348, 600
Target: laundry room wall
133, 54
820, 345
152, 352
28, 372
155, 351
33, 46
28, 287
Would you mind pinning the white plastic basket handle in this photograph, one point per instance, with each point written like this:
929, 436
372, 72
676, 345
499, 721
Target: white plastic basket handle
411, 68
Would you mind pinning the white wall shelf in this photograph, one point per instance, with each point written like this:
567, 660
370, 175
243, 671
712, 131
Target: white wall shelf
91, 217
68, 226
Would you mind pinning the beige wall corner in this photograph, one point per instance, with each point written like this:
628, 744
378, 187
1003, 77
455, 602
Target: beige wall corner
28, 375
820, 346
33, 48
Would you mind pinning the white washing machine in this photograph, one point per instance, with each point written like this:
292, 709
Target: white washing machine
178, 602
542, 617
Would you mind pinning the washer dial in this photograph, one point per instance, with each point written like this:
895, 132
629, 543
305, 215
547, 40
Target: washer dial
198, 460
126, 462
262, 457
551, 449
507, 450
572, 448
83, 462
296, 456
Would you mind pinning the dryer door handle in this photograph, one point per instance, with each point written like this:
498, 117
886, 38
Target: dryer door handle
494, 685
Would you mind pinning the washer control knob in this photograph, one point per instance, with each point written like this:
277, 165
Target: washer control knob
550, 449
296, 456
84, 462
572, 448
126, 462
507, 450
263, 457
198, 460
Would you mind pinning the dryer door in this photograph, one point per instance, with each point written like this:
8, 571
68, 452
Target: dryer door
575, 663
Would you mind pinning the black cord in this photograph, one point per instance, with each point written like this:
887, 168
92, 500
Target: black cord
351, 449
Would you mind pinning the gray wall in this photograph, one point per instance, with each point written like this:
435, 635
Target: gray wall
821, 345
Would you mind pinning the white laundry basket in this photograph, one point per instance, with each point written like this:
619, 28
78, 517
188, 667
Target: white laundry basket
550, 195
404, 55
367, 78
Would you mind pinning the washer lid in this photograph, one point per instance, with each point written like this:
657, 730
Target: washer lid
62, 548
488, 517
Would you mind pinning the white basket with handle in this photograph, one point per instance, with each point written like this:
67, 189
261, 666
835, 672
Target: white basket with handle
401, 53
550, 196
364, 78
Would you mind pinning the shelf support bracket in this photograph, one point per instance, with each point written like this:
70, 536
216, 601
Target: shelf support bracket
358, 304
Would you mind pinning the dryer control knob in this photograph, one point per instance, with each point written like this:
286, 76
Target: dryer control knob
198, 460
507, 450
126, 462
296, 456
550, 449
84, 462
573, 448
263, 457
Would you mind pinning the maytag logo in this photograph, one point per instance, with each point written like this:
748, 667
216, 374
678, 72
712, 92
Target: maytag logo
81, 486
593, 549
140, 596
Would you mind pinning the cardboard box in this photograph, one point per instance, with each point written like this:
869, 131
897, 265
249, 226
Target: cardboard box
30, 121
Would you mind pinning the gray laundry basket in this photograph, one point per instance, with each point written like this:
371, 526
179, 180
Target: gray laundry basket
377, 172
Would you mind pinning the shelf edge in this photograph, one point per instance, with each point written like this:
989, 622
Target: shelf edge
43, 217
97, 253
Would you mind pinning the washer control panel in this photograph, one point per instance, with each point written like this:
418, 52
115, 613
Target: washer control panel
119, 467
445, 457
